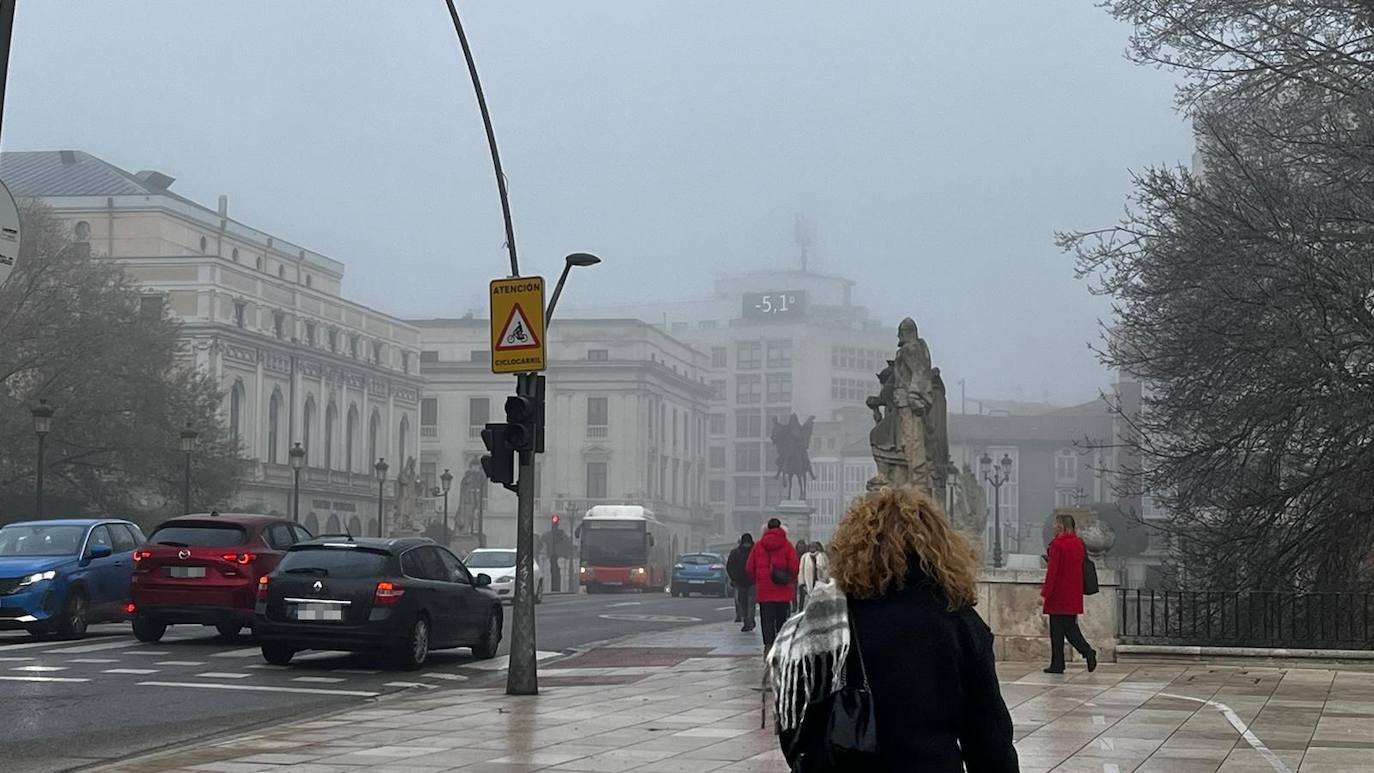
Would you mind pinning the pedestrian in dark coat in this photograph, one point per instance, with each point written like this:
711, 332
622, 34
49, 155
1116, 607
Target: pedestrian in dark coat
771, 552
900, 610
736, 567
1063, 594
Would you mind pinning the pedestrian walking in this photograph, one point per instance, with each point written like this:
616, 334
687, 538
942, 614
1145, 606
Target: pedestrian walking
916, 688
1063, 594
799, 598
815, 569
736, 567
773, 565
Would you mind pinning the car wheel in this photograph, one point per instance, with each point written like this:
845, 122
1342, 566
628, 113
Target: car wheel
228, 630
485, 648
414, 649
149, 631
75, 614
278, 654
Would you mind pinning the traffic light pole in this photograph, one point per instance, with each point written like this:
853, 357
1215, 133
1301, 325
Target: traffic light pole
522, 678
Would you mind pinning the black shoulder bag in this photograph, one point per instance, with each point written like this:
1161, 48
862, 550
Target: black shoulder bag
839, 732
1089, 577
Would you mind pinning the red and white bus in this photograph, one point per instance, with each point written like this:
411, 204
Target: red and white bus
623, 547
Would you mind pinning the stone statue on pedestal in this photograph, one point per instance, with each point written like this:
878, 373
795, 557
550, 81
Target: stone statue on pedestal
909, 437
407, 499
469, 497
792, 441
970, 514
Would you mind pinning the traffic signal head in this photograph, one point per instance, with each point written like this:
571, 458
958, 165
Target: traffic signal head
554, 520
522, 421
499, 463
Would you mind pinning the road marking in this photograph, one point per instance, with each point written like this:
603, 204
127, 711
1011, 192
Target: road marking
410, 684
361, 671
111, 645
501, 663
134, 671
222, 675
725, 609
180, 663
651, 618
150, 652
450, 677
43, 679
57, 646
318, 679
243, 653
624, 604
93, 660
14, 660
39, 668
1255, 743
261, 688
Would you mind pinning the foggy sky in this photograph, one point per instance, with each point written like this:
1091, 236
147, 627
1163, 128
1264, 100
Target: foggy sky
936, 144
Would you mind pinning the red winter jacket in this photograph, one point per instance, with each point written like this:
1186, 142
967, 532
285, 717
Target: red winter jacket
1063, 588
772, 550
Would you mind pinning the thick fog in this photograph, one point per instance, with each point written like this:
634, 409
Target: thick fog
935, 145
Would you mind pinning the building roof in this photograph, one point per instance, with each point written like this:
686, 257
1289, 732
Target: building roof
73, 173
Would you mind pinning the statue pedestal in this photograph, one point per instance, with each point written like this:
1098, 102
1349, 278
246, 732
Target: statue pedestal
1009, 602
795, 515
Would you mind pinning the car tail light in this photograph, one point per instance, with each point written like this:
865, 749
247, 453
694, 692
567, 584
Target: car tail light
239, 558
387, 593
140, 555
262, 588
129, 608
717, 567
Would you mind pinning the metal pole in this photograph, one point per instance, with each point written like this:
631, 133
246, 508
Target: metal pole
997, 522
491, 138
296, 497
6, 33
481, 511
381, 488
41, 441
445, 518
186, 486
557, 291
523, 677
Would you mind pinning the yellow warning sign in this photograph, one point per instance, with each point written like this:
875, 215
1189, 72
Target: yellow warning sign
517, 325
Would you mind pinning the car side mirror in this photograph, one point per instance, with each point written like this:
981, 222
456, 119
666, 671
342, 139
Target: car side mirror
482, 580
101, 551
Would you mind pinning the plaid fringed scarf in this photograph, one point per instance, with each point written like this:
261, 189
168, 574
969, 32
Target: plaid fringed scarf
806, 650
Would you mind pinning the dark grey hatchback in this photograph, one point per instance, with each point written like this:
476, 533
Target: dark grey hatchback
401, 597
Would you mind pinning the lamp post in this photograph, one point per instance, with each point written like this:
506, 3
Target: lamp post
445, 483
381, 468
996, 476
188, 447
42, 425
297, 456
575, 259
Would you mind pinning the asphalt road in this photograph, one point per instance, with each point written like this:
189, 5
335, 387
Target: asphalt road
69, 704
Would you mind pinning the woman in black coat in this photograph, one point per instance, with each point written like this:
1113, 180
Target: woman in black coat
905, 585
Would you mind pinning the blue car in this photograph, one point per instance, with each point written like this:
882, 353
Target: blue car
700, 573
59, 576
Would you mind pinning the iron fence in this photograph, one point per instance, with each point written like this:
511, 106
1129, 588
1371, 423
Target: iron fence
1247, 619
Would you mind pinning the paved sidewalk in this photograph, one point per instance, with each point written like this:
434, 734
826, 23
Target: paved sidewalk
689, 700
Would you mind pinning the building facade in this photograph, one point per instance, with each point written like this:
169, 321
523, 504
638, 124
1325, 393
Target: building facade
626, 422
297, 362
779, 342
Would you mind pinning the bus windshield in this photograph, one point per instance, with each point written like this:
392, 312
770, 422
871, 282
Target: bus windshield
613, 547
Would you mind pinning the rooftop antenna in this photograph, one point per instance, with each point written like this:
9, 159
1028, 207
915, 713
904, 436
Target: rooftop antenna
804, 233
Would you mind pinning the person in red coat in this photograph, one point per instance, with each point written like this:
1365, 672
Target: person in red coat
773, 551
1063, 594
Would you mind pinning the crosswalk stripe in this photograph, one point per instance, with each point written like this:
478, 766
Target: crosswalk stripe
180, 663
243, 653
134, 671
39, 668
109, 645
150, 652
93, 660
43, 679
222, 675
318, 679
450, 677
14, 660
362, 671
261, 688
409, 685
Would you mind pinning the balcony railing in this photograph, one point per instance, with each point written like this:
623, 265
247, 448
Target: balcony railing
1248, 619
429, 431
598, 432
475, 431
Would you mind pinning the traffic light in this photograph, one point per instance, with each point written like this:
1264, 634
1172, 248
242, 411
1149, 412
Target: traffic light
554, 520
522, 421
499, 463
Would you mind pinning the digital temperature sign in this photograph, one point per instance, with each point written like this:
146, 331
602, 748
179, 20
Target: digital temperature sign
775, 305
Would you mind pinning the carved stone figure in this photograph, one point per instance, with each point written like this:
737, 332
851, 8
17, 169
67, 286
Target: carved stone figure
469, 496
970, 506
407, 500
908, 438
792, 441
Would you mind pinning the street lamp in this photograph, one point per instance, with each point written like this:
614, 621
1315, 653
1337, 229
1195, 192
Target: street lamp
188, 447
297, 456
575, 259
446, 482
996, 476
381, 468
42, 425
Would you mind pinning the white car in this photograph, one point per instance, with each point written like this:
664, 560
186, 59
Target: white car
499, 565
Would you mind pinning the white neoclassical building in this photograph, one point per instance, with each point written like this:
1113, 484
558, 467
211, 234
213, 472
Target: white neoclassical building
297, 361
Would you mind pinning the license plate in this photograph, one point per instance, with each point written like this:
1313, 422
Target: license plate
696, 582
319, 612
186, 571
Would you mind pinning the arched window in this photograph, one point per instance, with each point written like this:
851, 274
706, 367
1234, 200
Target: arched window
332, 525
309, 427
331, 430
403, 450
312, 523
351, 439
355, 526
235, 255
236, 413
273, 426
374, 427
202, 244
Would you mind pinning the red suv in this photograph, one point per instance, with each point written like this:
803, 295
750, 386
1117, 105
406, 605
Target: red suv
204, 569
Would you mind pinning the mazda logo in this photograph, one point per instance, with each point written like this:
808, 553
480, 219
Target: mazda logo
183, 554
319, 586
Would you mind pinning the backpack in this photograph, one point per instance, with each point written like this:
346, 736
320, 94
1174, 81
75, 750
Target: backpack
1089, 577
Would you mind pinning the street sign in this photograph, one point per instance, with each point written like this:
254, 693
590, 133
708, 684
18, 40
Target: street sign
517, 325
9, 234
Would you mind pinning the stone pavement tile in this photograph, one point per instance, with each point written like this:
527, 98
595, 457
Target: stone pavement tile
680, 765
1158, 765
1328, 760
278, 758
1039, 763
1244, 759
1358, 729
615, 761
544, 757
501, 767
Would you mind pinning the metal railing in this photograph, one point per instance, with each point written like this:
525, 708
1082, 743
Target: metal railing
1247, 619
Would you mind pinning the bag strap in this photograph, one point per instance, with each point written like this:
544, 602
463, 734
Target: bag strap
857, 652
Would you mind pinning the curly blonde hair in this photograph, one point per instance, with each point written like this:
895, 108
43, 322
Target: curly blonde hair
872, 546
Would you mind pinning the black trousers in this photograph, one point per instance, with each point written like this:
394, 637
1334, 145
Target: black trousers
1065, 627
772, 614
